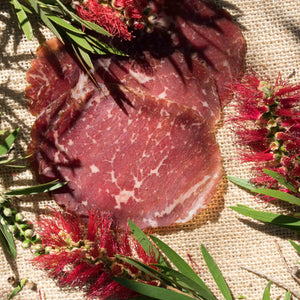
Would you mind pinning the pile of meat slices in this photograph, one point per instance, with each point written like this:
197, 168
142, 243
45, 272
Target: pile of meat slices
142, 146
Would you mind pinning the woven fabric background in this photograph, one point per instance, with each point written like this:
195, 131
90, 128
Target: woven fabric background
272, 32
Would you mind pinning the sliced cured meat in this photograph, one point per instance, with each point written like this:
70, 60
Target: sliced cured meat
167, 78
141, 157
199, 29
43, 77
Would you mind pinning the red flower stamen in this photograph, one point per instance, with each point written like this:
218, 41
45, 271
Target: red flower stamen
115, 16
80, 254
268, 123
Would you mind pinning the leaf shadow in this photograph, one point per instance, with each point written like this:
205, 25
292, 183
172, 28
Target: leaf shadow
270, 229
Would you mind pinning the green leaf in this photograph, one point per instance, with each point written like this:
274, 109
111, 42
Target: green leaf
278, 195
41, 13
185, 282
5, 146
81, 41
41, 188
281, 179
139, 265
241, 182
154, 291
103, 47
268, 192
179, 262
287, 296
85, 56
94, 27
62, 23
18, 288
146, 244
23, 19
296, 246
266, 295
87, 24
216, 274
266, 217
7, 240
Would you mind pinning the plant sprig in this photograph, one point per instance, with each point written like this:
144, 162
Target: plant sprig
181, 284
67, 26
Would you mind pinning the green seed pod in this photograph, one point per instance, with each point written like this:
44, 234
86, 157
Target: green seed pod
36, 238
26, 244
48, 250
23, 226
7, 212
12, 228
28, 233
19, 217
3, 221
38, 248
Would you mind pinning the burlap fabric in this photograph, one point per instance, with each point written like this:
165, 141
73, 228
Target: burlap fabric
272, 32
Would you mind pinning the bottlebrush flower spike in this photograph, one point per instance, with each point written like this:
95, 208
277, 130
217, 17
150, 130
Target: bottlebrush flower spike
115, 16
84, 255
268, 125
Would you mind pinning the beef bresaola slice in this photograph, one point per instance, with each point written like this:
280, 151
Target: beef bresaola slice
142, 158
50, 81
166, 78
147, 162
198, 28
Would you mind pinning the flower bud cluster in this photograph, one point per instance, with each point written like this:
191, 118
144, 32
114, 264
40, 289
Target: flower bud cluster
268, 124
117, 16
80, 254
16, 223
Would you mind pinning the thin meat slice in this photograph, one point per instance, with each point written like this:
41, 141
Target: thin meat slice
44, 76
141, 157
167, 78
201, 30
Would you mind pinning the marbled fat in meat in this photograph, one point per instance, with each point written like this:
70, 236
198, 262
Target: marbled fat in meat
142, 158
168, 78
201, 30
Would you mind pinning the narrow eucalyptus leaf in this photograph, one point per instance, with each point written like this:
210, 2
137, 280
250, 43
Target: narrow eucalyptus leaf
278, 195
7, 240
41, 188
95, 27
139, 265
185, 282
105, 47
178, 261
296, 246
5, 146
87, 24
267, 192
81, 41
84, 64
266, 295
85, 56
287, 296
153, 291
241, 182
267, 217
61, 22
18, 288
146, 244
216, 274
43, 16
23, 19
281, 179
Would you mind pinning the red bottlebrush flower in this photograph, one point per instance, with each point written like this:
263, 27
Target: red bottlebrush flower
268, 124
80, 254
115, 16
